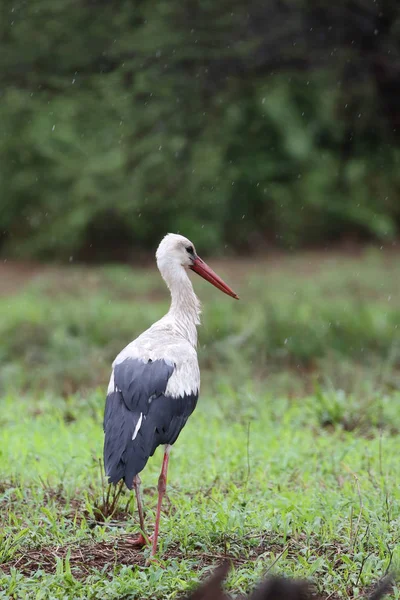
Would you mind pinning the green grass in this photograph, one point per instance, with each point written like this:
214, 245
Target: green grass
304, 314
258, 479
289, 464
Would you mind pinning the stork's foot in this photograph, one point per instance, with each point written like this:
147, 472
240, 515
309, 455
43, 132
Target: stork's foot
140, 541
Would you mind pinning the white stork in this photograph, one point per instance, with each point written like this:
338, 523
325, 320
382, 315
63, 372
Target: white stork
155, 380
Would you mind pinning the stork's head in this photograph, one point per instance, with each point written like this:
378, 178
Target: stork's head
176, 253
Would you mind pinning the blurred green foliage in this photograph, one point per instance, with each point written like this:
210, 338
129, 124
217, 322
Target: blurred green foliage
235, 123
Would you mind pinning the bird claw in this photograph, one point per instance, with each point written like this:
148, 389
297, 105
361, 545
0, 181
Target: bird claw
141, 541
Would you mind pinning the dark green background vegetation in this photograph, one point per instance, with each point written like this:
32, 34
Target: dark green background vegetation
238, 123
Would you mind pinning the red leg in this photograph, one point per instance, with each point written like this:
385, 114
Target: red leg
162, 486
141, 539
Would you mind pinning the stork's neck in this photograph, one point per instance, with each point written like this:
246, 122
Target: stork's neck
185, 306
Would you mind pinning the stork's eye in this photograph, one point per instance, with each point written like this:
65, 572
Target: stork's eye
190, 249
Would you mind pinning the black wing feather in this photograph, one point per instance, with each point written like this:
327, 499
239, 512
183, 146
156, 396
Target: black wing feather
138, 380
139, 394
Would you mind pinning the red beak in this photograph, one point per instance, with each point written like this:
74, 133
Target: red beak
202, 269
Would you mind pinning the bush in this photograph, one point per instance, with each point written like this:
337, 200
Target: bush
125, 121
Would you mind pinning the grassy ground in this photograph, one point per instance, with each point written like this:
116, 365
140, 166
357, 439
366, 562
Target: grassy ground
289, 464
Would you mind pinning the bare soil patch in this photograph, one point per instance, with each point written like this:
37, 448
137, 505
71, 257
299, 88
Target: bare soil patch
85, 558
